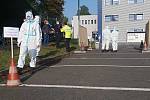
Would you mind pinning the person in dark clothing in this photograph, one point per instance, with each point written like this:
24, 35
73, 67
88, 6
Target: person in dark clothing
57, 28
46, 29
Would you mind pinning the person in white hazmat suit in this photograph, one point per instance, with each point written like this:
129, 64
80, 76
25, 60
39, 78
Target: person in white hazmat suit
105, 39
29, 39
37, 20
114, 37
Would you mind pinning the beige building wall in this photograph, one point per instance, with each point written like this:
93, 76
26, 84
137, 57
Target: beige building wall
147, 36
123, 10
89, 26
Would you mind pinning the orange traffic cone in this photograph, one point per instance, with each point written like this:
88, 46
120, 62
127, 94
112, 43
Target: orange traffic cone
13, 77
145, 46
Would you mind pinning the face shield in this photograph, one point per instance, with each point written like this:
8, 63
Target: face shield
29, 15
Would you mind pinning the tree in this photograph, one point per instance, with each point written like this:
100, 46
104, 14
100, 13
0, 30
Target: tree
84, 10
13, 13
48, 8
65, 19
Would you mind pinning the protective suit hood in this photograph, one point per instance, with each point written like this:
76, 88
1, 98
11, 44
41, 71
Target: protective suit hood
29, 16
37, 19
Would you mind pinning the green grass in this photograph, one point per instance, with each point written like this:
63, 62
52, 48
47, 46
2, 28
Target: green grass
50, 51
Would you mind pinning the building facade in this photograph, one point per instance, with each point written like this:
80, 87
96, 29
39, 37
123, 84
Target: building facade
128, 16
90, 22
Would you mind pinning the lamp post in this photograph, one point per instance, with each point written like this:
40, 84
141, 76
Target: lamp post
79, 10
100, 18
79, 21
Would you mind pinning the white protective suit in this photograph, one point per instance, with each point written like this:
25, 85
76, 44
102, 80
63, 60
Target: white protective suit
29, 39
106, 38
37, 20
114, 37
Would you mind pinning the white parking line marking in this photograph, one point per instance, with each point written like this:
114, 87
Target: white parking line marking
117, 66
109, 58
85, 87
2, 84
112, 53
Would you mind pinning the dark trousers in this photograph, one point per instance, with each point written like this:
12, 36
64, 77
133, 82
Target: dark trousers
46, 39
57, 40
67, 43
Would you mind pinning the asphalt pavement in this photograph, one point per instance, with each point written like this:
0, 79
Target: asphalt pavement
122, 75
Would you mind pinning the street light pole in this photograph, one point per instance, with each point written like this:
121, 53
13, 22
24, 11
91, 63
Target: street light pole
79, 21
100, 19
79, 10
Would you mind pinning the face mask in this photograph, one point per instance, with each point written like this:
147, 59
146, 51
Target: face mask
29, 15
28, 18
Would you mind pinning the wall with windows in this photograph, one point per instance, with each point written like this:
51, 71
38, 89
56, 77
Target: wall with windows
90, 22
126, 15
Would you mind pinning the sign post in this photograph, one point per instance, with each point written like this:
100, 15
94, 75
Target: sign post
13, 77
12, 51
11, 32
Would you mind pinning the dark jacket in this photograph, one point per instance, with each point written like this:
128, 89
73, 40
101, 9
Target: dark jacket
46, 28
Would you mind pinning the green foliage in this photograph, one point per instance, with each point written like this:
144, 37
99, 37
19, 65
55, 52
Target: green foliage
50, 51
48, 8
84, 10
65, 19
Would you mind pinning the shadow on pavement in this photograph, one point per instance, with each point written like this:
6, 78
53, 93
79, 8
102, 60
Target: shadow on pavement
27, 72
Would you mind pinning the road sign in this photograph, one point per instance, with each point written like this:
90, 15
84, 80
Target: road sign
11, 32
135, 37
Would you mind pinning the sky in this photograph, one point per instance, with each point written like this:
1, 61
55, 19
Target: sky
71, 6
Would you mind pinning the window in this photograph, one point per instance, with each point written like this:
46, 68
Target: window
115, 2
131, 17
139, 1
108, 2
136, 30
139, 17
111, 2
88, 21
91, 21
109, 18
134, 17
115, 17
94, 21
131, 1
85, 21
82, 22
135, 1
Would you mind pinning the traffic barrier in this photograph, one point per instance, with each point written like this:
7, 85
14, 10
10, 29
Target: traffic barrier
13, 77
